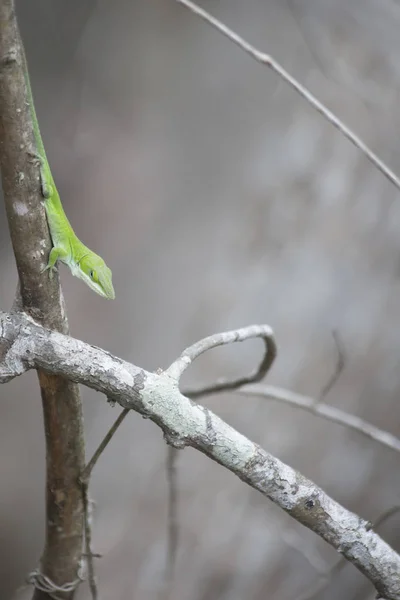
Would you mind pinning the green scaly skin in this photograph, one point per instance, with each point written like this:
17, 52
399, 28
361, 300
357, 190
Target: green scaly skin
67, 247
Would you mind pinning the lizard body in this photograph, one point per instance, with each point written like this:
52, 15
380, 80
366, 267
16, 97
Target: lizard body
67, 247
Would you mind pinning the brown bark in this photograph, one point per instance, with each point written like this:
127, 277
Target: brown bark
42, 299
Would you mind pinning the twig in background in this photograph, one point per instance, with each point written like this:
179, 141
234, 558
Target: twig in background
340, 364
85, 478
270, 62
173, 526
88, 541
330, 413
293, 538
333, 66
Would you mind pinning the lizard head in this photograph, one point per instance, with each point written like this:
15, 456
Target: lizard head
94, 271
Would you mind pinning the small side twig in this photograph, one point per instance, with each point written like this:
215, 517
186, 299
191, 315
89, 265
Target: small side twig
239, 335
88, 541
103, 445
270, 62
340, 364
325, 411
323, 580
393, 510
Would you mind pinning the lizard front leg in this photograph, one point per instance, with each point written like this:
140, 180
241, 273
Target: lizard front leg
55, 255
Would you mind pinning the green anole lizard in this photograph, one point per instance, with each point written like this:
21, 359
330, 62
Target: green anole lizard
67, 247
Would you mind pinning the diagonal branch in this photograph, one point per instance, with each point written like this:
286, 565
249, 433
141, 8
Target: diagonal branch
270, 62
85, 477
25, 345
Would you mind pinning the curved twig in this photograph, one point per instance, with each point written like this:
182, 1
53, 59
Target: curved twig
339, 366
219, 339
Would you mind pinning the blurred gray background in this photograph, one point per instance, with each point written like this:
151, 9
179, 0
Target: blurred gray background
220, 199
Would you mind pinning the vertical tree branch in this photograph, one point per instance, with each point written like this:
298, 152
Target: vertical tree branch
42, 299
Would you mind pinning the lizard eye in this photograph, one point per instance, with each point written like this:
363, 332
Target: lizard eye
93, 276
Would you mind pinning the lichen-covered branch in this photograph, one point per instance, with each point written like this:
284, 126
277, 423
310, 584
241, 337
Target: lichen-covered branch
25, 345
42, 299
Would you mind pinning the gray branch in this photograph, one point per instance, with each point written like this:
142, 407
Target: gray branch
324, 411
274, 65
25, 345
263, 332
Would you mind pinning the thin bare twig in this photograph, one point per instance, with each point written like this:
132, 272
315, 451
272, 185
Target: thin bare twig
386, 515
270, 62
103, 444
323, 580
324, 411
88, 541
239, 335
294, 538
340, 364
85, 477
173, 528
